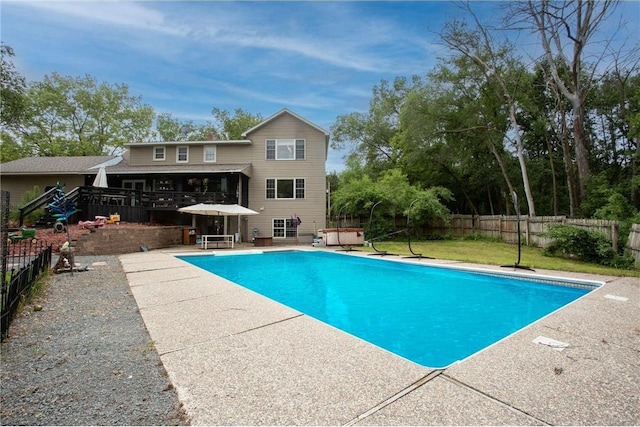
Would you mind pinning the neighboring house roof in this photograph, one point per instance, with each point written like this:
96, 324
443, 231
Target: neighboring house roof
74, 165
286, 111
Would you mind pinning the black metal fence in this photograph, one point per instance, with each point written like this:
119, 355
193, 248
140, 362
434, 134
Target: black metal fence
23, 261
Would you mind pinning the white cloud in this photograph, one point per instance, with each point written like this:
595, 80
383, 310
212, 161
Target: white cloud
119, 14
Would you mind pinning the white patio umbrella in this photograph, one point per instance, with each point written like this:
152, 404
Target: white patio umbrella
101, 178
217, 210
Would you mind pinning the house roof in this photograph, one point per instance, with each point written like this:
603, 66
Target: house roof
207, 142
280, 113
125, 169
75, 165
80, 165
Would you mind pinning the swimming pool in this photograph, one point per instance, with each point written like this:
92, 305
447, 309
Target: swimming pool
433, 316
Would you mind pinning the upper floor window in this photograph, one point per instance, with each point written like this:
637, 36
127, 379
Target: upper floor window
285, 188
182, 154
285, 149
209, 153
159, 153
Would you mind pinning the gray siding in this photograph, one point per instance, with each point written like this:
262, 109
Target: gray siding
225, 153
312, 209
19, 185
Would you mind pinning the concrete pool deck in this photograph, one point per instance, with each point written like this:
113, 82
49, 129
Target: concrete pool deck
237, 358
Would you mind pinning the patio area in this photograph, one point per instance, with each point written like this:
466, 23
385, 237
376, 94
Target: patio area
237, 358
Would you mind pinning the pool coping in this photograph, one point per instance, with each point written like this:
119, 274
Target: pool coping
238, 358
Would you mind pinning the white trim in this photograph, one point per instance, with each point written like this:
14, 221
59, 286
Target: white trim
276, 188
178, 154
282, 143
204, 153
164, 153
278, 114
286, 221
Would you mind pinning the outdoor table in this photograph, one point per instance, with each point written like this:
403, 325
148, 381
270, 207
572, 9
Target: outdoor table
225, 239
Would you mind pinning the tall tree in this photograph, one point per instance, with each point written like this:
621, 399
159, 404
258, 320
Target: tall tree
73, 116
12, 105
231, 126
172, 129
615, 102
566, 28
370, 136
12, 89
476, 125
498, 68
445, 136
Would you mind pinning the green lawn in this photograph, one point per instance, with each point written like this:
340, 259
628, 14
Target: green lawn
495, 253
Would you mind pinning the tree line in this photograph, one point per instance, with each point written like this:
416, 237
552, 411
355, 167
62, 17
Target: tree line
561, 129
78, 116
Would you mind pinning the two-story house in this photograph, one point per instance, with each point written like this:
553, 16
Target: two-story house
277, 170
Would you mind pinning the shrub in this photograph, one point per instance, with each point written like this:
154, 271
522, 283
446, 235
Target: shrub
586, 245
33, 217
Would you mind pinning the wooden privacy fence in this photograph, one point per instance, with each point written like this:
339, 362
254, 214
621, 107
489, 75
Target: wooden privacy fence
532, 229
633, 244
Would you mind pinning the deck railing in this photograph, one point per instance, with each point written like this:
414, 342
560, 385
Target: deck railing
133, 205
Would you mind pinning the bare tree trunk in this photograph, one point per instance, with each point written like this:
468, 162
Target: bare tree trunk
503, 168
582, 151
482, 52
554, 183
562, 133
569, 169
562, 24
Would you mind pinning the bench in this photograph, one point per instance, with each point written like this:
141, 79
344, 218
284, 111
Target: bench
219, 239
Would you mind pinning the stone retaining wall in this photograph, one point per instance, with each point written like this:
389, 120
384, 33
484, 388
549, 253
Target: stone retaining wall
116, 241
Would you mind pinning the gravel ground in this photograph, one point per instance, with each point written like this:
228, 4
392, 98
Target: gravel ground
86, 358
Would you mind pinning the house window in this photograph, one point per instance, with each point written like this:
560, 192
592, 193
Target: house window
285, 149
159, 154
285, 188
283, 228
133, 184
209, 153
182, 155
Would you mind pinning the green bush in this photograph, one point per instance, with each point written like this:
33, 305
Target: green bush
33, 217
585, 245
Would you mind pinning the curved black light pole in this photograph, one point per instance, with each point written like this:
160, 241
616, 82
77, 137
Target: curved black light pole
381, 253
514, 196
414, 255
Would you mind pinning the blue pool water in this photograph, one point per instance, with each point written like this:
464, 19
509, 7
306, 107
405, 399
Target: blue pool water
433, 316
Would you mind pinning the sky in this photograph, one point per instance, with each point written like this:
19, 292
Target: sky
319, 59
